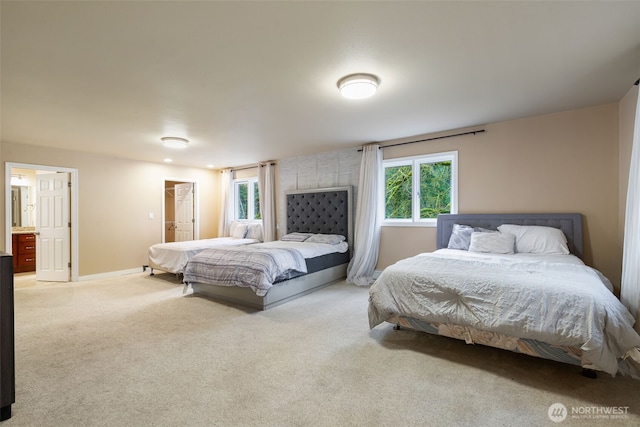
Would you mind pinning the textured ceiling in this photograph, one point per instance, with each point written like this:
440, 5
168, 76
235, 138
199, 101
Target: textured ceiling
251, 81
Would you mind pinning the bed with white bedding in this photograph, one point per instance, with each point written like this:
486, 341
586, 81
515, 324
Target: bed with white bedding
173, 256
314, 252
541, 300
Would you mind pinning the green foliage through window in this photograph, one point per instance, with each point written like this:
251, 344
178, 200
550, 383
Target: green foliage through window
398, 183
247, 199
243, 207
435, 189
426, 181
256, 201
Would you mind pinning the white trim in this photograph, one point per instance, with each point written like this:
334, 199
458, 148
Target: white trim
431, 222
75, 267
109, 274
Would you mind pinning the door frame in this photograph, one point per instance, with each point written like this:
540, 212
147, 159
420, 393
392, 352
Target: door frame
73, 178
196, 205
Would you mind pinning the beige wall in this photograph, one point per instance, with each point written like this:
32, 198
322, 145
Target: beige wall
563, 162
115, 197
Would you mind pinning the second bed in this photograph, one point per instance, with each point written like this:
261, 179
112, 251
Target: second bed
314, 252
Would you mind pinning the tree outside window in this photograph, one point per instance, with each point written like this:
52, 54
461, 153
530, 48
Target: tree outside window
246, 190
418, 189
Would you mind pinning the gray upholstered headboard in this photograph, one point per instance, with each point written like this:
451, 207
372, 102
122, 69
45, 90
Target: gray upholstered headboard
321, 210
569, 223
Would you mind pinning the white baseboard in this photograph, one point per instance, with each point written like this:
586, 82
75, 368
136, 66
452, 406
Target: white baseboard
109, 274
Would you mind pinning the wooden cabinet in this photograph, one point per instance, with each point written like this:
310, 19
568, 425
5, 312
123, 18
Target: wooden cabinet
7, 340
24, 252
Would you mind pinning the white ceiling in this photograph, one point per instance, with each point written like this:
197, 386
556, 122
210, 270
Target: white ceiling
251, 81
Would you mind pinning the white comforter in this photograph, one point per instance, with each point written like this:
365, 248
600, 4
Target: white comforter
173, 256
561, 303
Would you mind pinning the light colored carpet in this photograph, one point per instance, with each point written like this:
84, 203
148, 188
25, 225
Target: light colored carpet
135, 351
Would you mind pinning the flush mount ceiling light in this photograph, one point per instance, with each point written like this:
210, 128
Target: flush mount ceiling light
174, 142
358, 86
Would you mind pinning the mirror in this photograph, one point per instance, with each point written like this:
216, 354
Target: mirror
22, 209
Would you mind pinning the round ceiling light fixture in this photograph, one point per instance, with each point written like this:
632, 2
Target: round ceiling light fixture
358, 86
174, 142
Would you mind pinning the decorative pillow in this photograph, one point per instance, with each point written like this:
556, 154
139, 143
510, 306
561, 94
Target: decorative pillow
330, 239
238, 230
460, 237
254, 231
494, 243
295, 237
484, 230
536, 239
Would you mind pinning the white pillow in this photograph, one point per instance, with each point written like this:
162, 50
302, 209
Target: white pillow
254, 231
460, 237
330, 239
536, 239
295, 237
238, 230
494, 243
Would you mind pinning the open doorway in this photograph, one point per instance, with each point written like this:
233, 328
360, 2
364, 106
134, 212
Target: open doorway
22, 182
180, 222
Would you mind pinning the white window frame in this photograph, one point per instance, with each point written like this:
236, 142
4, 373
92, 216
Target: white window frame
415, 162
251, 186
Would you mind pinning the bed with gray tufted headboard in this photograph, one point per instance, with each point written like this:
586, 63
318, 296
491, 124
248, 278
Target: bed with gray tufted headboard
527, 291
325, 211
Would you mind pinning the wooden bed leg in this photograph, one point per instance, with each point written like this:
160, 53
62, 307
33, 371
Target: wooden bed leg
589, 373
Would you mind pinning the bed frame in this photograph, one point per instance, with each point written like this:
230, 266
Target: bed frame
323, 210
569, 223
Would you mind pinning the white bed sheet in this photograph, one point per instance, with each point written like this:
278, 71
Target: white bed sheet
554, 299
308, 250
173, 256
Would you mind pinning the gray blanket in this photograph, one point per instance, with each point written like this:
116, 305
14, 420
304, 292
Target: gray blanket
246, 266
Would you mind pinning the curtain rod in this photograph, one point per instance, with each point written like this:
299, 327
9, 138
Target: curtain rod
250, 167
432, 139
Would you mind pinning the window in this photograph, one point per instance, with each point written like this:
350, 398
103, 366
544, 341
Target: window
247, 199
417, 189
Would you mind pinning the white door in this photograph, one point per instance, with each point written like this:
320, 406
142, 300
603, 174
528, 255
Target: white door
184, 212
53, 229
